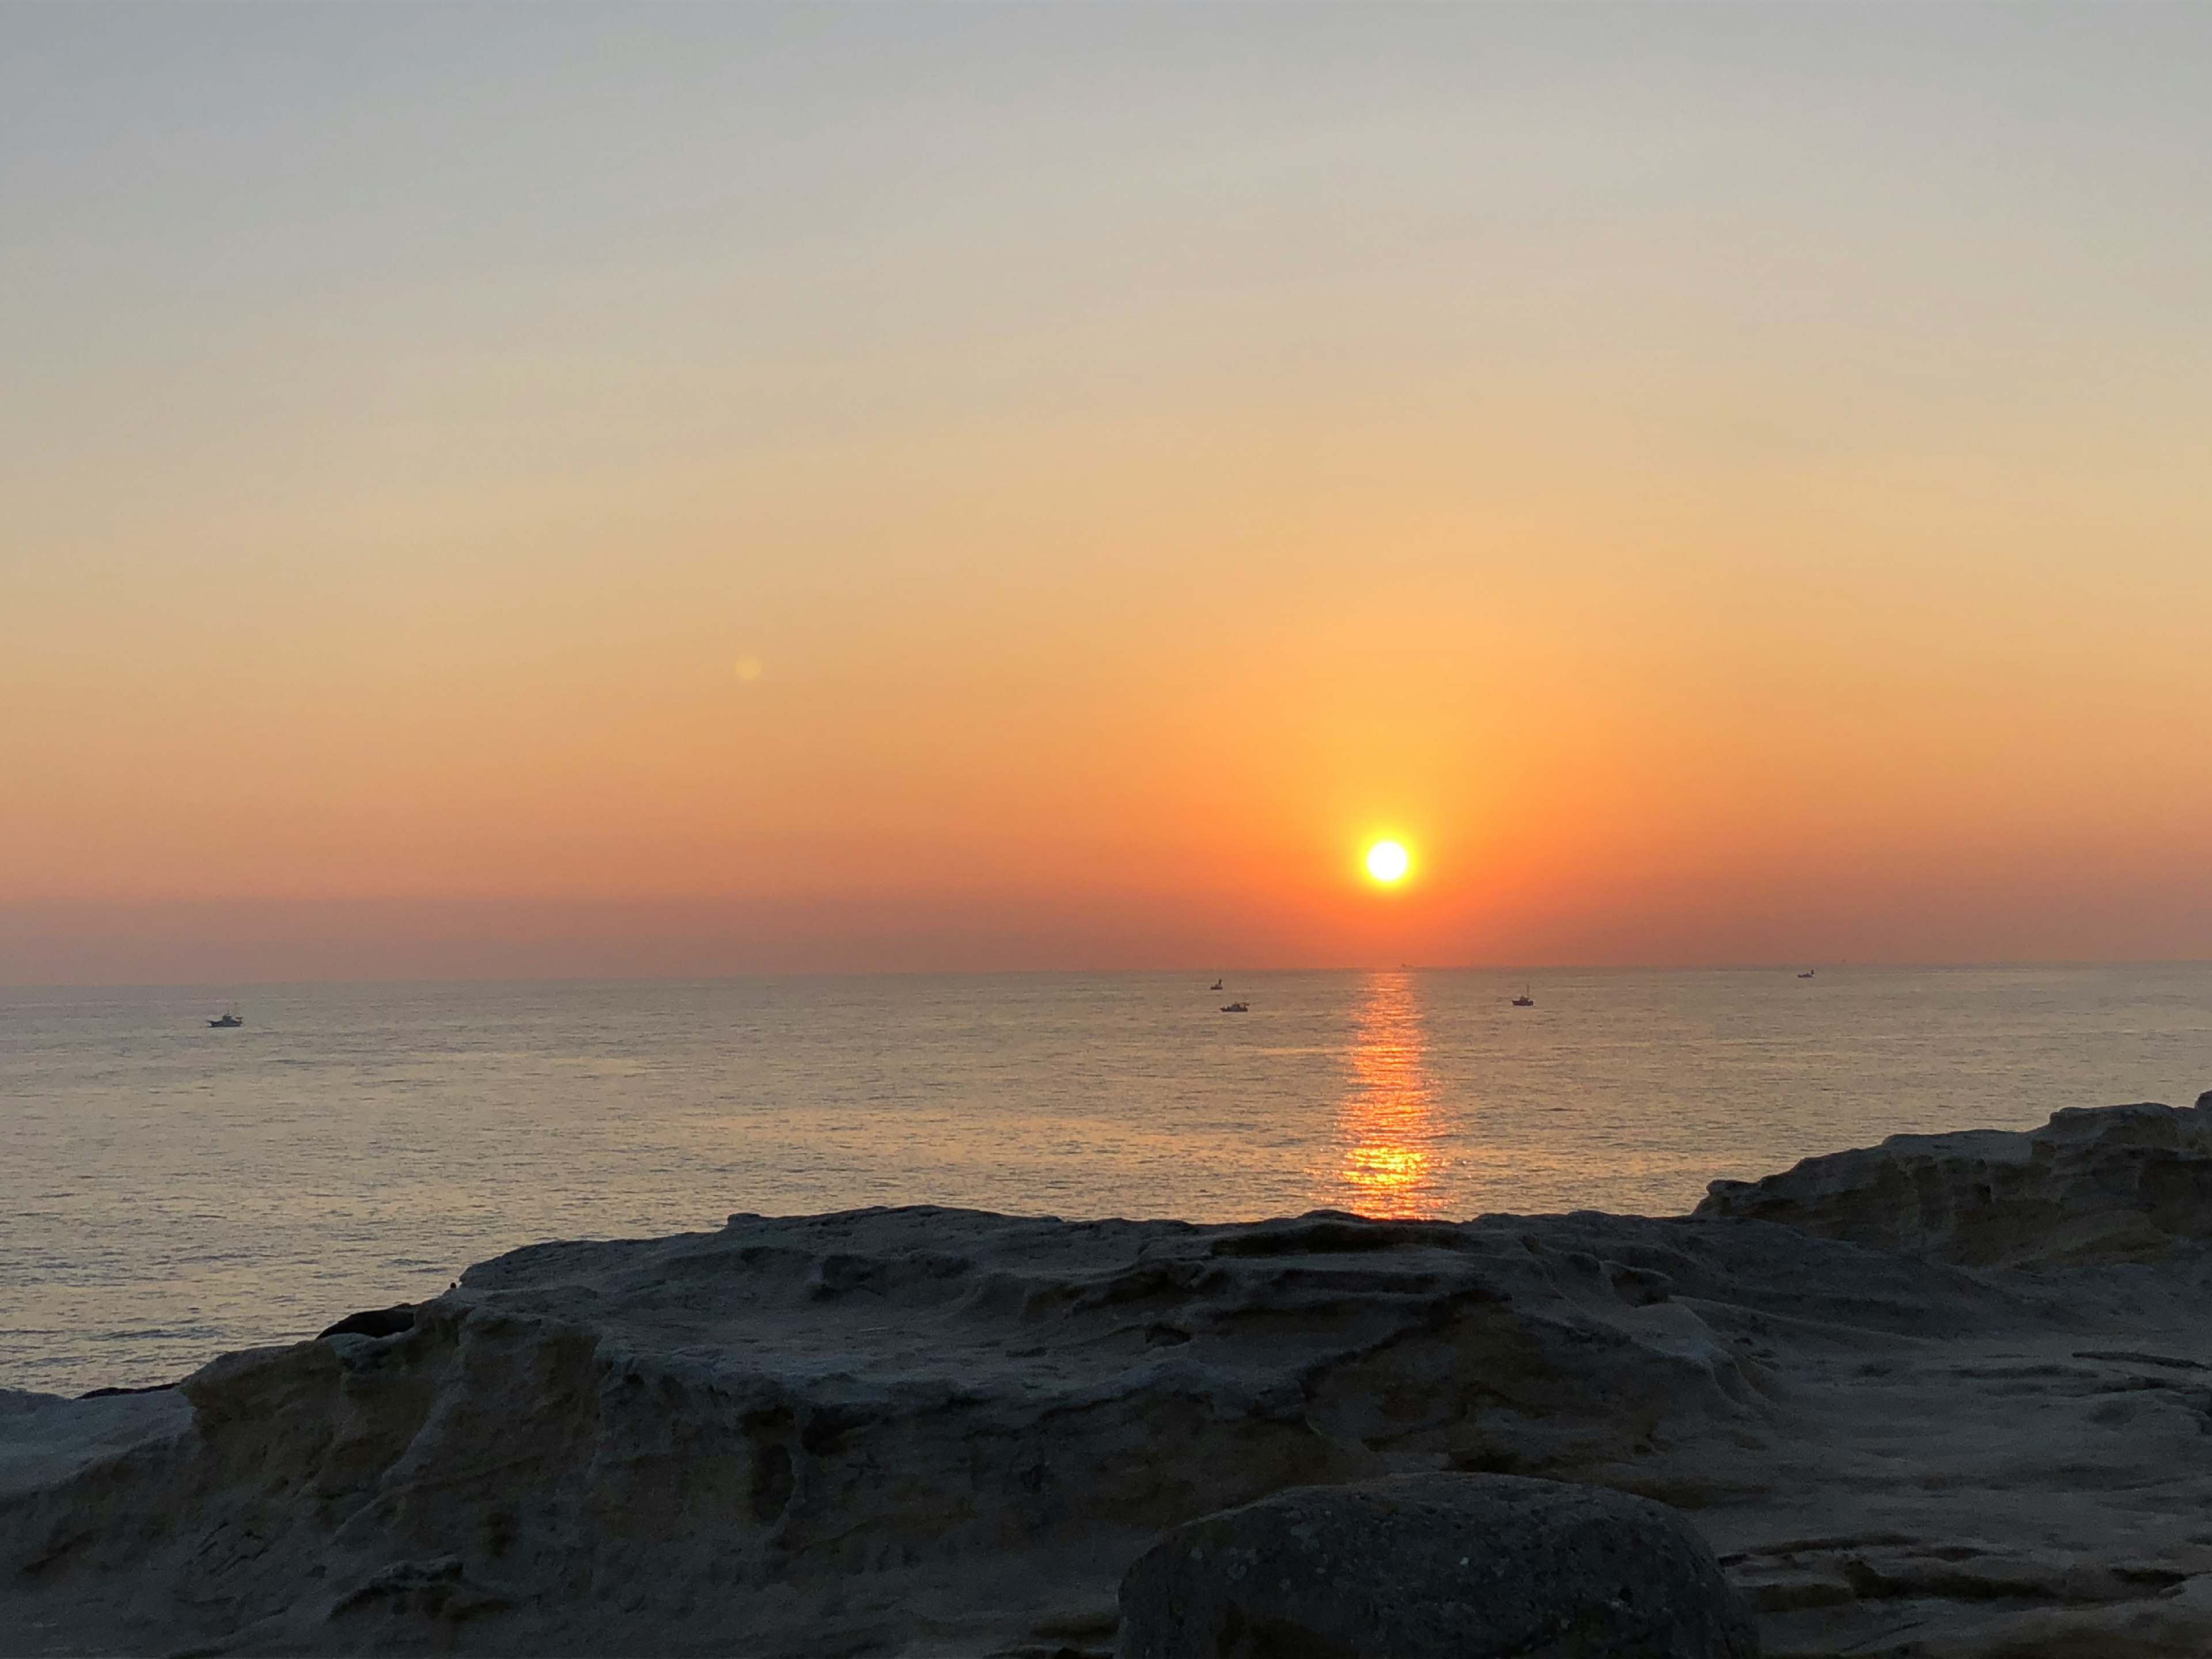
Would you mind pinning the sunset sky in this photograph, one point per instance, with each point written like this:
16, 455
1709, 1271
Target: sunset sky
574, 490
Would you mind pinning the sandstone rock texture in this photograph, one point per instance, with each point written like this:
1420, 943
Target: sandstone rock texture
928, 1431
2108, 1184
1435, 1566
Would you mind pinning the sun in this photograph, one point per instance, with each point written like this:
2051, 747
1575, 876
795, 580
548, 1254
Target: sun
1388, 861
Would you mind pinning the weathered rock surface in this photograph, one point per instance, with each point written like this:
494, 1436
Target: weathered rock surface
930, 1431
1435, 1566
909, 1430
2116, 1183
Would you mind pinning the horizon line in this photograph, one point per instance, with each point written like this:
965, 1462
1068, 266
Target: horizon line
1781, 965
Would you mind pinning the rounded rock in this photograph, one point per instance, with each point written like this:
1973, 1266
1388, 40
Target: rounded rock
1424, 1566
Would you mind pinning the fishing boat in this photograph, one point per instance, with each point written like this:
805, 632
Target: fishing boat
1524, 1000
1235, 1007
227, 1021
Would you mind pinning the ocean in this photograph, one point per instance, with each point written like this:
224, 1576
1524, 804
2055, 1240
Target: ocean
168, 1192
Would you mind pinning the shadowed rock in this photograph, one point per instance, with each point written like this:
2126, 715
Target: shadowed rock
937, 1432
886, 1430
377, 1322
1435, 1566
2114, 1184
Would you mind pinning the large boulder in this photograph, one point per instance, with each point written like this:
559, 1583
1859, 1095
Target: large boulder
1426, 1566
2115, 1183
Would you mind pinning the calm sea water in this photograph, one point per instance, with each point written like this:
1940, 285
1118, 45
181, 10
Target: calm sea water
168, 1192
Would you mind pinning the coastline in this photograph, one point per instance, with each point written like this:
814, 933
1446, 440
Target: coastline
1948, 1395
176, 1194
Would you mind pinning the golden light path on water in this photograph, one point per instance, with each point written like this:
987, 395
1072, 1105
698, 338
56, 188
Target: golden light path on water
1389, 1123
173, 1192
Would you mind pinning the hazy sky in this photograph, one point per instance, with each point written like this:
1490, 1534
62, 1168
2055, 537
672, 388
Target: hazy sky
562, 489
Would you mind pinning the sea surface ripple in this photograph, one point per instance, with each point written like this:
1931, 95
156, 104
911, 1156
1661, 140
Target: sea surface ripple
168, 1191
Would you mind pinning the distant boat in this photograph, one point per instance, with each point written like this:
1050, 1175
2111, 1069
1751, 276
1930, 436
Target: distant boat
1235, 1007
1524, 1000
227, 1022
1216, 986
1808, 973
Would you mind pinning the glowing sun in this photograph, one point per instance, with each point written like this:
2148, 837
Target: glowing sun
1387, 860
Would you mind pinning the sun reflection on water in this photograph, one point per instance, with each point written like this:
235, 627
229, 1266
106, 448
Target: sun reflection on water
1389, 1123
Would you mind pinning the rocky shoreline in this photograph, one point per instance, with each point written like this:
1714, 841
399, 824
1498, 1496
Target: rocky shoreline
1951, 1395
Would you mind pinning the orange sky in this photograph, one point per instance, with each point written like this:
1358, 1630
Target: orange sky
1720, 489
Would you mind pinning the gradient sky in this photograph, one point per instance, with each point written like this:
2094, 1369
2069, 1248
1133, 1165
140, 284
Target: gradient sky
1721, 483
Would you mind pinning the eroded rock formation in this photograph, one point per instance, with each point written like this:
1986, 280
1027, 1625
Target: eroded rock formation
933, 1431
2114, 1183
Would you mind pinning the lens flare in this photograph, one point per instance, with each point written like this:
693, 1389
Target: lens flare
1387, 860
